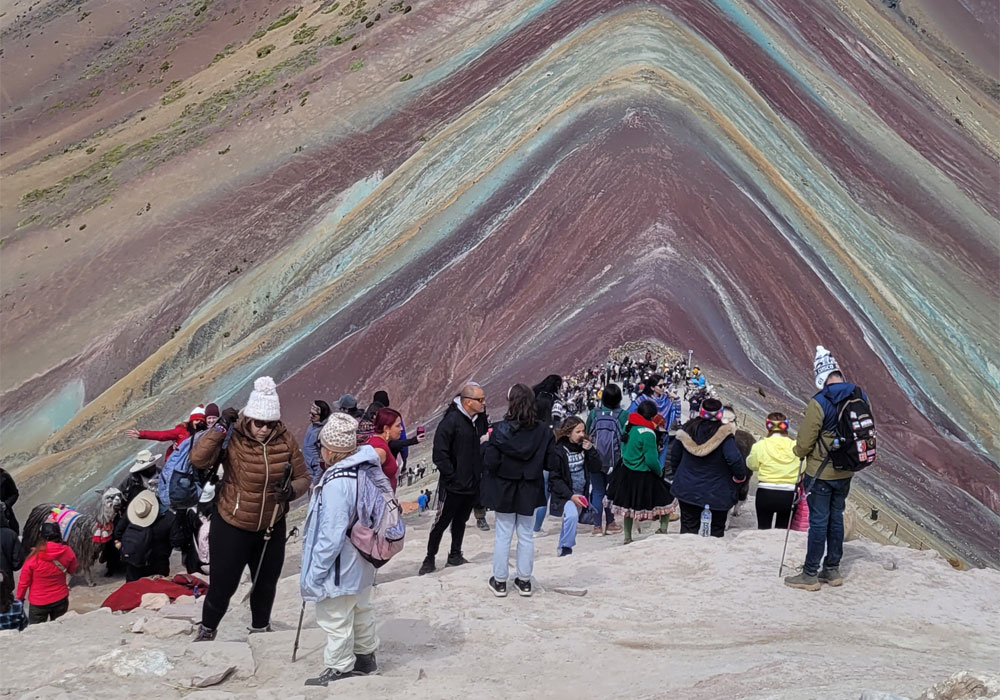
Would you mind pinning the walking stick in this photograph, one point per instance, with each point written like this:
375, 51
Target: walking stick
295, 649
805, 494
286, 479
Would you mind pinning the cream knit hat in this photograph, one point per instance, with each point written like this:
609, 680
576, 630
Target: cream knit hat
340, 434
824, 365
263, 402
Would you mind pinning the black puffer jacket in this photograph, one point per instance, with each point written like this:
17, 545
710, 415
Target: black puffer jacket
514, 458
457, 452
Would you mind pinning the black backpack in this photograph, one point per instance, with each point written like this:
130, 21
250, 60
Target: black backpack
136, 545
855, 432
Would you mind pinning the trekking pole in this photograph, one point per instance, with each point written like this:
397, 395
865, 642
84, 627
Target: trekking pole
295, 649
805, 494
286, 479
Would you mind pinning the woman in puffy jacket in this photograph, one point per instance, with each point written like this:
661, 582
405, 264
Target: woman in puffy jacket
519, 449
263, 472
708, 468
43, 577
175, 436
777, 470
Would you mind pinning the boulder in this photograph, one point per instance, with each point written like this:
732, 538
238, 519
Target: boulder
154, 601
964, 686
217, 655
162, 627
130, 662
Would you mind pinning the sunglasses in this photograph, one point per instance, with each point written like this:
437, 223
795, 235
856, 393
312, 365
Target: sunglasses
473, 398
269, 424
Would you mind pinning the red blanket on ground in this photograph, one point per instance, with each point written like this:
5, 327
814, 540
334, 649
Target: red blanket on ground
129, 595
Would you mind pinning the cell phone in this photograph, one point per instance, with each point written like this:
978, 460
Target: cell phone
420, 430
586, 502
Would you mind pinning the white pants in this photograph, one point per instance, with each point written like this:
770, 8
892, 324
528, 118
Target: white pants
349, 623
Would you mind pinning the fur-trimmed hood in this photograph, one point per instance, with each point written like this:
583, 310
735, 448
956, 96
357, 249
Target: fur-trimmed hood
706, 438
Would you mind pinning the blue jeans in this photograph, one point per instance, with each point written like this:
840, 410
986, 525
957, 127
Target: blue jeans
826, 522
598, 489
504, 527
571, 516
542, 510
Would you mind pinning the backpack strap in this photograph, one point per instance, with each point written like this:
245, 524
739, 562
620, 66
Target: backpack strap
59, 564
339, 472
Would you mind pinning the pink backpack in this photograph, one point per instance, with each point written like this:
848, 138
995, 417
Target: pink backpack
800, 517
378, 531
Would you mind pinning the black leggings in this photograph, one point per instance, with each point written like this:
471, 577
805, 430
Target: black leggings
231, 550
773, 504
44, 613
455, 509
691, 520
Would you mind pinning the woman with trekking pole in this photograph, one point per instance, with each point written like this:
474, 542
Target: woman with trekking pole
263, 472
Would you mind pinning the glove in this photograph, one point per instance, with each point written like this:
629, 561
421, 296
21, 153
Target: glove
284, 494
228, 417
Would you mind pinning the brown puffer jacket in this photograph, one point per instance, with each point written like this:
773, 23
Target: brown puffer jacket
252, 472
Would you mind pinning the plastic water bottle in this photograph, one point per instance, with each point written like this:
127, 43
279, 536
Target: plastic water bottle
706, 522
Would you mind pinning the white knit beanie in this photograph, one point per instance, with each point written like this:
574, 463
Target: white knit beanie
824, 365
263, 402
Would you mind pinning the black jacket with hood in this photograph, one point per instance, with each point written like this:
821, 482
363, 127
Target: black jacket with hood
515, 457
457, 453
705, 464
561, 481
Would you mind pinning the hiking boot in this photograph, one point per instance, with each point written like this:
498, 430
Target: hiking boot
499, 588
427, 567
456, 560
613, 528
597, 530
830, 576
258, 630
803, 581
482, 524
565, 551
205, 634
329, 675
364, 665
523, 587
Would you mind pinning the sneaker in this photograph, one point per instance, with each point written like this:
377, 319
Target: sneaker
539, 533
597, 530
499, 588
258, 630
565, 551
456, 560
482, 524
830, 576
329, 675
427, 567
803, 581
205, 634
364, 665
613, 528
523, 587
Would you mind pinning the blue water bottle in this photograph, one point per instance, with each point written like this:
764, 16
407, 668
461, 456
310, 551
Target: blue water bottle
706, 522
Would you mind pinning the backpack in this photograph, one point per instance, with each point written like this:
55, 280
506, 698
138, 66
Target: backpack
137, 544
378, 528
855, 430
179, 487
607, 433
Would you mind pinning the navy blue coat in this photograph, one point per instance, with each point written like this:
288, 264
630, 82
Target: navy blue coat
708, 466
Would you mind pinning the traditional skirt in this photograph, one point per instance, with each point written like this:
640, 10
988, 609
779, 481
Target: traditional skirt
639, 495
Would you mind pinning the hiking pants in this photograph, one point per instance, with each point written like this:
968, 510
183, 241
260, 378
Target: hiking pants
691, 520
826, 522
506, 525
349, 623
43, 613
231, 550
453, 510
773, 505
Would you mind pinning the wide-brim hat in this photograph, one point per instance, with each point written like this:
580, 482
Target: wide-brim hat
143, 509
143, 461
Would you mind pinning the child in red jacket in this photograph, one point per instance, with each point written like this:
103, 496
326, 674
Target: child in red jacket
43, 577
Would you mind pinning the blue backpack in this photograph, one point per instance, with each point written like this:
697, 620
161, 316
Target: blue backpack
178, 487
607, 434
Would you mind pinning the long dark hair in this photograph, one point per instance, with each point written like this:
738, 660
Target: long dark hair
521, 406
551, 384
647, 386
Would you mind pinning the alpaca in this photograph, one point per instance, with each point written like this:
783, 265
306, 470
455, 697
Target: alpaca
81, 536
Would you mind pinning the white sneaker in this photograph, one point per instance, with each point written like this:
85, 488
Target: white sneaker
540, 533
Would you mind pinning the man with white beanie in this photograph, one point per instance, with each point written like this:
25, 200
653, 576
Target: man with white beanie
263, 472
827, 487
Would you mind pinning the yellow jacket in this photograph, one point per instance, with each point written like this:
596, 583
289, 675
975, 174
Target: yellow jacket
773, 460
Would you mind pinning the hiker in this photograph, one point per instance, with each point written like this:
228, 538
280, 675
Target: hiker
828, 489
349, 405
519, 449
422, 500
200, 527
707, 468
211, 415
744, 443
9, 495
606, 424
458, 457
548, 406
388, 425
637, 490
141, 476
43, 577
12, 615
400, 446
334, 575
777, 468
263, 472
176, 435
11, 553
319, 411
569, 481
143, 537
697, 379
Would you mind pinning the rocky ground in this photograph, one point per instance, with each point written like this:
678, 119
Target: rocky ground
665, 616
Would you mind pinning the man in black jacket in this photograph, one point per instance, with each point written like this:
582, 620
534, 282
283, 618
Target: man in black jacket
458, 457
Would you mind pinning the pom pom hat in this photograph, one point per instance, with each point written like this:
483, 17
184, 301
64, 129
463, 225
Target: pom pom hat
824, 365
263, 402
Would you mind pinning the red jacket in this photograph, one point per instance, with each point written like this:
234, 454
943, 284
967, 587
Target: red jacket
176, 435
44, 581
